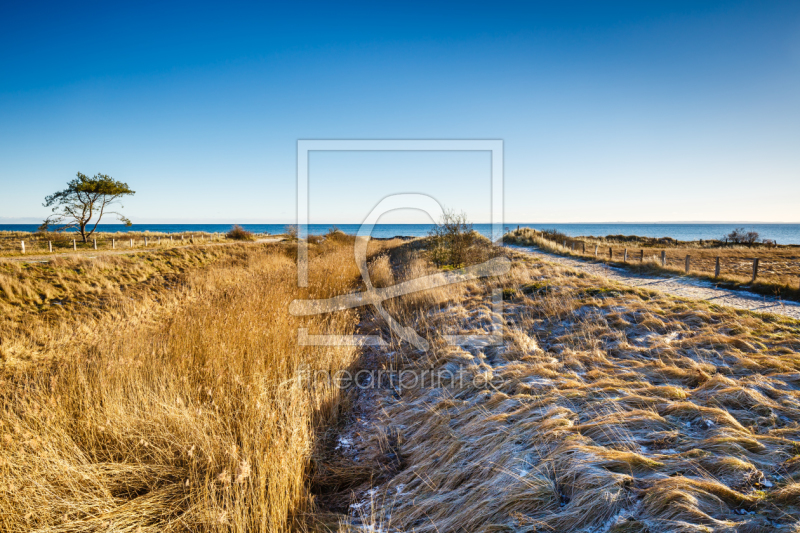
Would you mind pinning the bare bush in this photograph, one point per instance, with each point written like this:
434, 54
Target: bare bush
291, 231
740, 236
554, 235
238, 233
334, 234
451, 239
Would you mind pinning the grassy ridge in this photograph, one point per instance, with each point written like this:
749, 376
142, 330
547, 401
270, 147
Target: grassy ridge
38, 243
65, 279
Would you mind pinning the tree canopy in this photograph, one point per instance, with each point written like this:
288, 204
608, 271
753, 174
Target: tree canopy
85, 197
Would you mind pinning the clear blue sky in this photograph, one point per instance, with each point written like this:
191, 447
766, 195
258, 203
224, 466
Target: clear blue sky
639, 111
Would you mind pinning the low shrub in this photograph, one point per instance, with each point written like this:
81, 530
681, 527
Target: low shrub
238, 233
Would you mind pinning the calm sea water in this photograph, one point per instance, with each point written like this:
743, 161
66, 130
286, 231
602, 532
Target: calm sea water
781, 233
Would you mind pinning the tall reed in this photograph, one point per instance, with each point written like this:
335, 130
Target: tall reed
197, 423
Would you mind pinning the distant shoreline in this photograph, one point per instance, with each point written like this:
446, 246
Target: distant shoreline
782, 233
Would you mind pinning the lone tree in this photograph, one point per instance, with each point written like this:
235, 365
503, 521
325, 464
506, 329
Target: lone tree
85, 197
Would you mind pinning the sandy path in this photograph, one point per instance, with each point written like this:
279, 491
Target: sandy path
91, 254
684, 287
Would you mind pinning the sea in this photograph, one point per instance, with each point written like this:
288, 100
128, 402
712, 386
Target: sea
780, 233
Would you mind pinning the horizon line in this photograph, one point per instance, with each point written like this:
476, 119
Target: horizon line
28, 221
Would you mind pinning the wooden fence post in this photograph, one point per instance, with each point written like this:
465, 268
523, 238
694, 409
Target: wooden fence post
625, 256
755, 270
145, 242
50, 245
688, 261
159, 240
583, 244
113, 243
610, 254
716, 268
94, 241
131, 243
23, 247
663, 258
641, 256
170, 238
74, 246
565, 244
596, 247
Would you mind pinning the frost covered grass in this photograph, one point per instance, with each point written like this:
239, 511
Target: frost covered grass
607, 409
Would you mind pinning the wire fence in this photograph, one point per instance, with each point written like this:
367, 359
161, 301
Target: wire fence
701, 261
61, 243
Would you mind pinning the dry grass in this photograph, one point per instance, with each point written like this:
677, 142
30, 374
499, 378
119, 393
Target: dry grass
74, 278
192, 422
606, 409
778, 273
37, 243
51, 308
